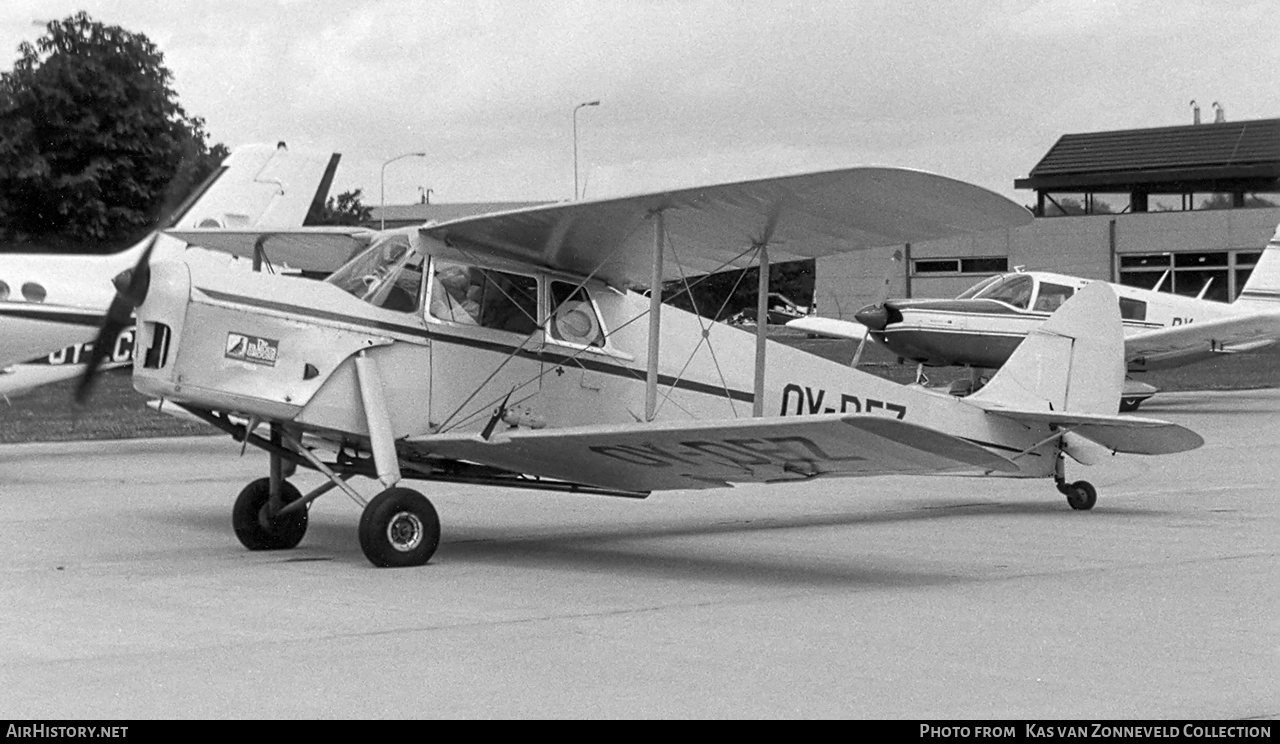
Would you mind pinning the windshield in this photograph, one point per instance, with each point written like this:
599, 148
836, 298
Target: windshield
388, 273
1015, 289
975, 289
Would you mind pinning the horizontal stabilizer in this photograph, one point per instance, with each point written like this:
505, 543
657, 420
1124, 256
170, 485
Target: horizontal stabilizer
1218, 335
1128, 434
829, 327
695, 454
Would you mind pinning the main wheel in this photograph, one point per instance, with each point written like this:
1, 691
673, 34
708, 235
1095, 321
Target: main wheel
398, 528
257, 530
1082, 495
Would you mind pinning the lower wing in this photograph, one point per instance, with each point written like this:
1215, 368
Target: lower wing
693, 455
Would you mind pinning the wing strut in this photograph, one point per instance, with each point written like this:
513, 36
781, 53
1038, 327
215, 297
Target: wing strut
762, 329
655, 319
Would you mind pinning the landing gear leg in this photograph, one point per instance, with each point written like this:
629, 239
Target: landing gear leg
1081, 495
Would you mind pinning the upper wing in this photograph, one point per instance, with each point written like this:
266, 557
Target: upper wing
652, 457
320, 249
803, 216
1202, 338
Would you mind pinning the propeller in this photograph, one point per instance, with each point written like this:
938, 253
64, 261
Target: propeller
132, 284
876, 316
131, 291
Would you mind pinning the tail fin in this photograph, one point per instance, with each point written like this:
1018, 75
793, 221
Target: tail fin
1074, 362
260, 186
1069, 373
1263, 287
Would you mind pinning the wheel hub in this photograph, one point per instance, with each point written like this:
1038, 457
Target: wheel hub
405, 531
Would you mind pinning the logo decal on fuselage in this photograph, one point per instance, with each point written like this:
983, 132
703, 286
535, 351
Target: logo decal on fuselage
253, 349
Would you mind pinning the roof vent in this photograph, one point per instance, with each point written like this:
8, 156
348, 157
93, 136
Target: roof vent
1219, 113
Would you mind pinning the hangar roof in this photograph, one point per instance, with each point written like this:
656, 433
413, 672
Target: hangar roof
1222, 156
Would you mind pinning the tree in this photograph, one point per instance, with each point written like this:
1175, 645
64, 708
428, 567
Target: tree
1070, 206
94, 146
344, 209
1227, 201
724, 294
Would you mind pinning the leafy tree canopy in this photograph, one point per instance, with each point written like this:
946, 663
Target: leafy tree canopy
94, 146
344, 209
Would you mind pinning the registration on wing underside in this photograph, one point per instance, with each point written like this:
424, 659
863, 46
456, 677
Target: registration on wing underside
691, 455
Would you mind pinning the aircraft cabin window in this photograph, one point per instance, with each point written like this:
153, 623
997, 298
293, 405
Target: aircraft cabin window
1052, 296
387, 274
573, 318
33, 292
4, 291
1132, 309
1014, 290
472, 295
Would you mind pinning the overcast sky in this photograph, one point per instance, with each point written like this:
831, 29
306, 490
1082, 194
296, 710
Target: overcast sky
690, 91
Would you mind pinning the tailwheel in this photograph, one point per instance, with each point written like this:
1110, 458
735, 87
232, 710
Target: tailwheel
1081, 495
257, 528
398, 528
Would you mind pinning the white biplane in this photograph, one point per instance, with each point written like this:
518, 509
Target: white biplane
511, 349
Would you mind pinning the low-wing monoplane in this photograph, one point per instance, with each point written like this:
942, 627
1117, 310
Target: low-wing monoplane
982, 327
52, 305
512, 350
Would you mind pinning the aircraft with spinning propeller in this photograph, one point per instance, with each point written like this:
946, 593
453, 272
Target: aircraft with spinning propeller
513, 349
52, 305
982, 327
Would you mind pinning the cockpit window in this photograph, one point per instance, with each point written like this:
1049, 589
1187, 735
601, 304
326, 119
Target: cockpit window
472, 295
971, 291
1052, 296
1014, 289
387, 274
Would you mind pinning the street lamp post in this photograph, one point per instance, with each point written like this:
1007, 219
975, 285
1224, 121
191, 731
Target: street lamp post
575, 144
382, 185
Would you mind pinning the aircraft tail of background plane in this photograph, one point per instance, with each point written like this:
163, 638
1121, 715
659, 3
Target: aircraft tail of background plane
1263, 288
262, 185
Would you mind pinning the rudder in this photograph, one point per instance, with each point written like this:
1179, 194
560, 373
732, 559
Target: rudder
1263, 286
1073, 362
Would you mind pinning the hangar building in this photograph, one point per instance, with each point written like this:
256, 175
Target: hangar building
1198, 201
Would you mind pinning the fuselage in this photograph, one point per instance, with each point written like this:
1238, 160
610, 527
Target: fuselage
984, 325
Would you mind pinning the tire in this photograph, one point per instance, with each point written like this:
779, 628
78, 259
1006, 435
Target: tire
252, 527
1081, 495
399, 528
